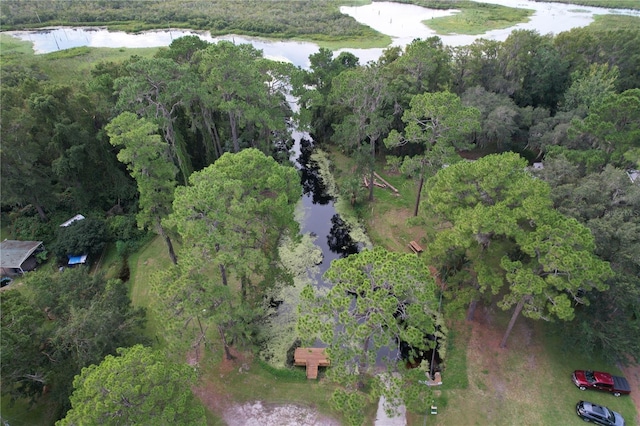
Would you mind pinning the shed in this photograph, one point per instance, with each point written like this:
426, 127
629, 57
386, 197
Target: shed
18, 257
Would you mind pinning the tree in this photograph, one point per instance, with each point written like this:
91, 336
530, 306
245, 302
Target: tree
534, 71
139, 386
195, 300
484, 201
240, 94
378, 299
157, 89
362, 92
605, 202
69, 320
439, 123
548, 258
589, 87
555, 272
234, 212
424, 66
149, 162
499, 117
314, 87
477, 64
87, 236
613, 125
23, 365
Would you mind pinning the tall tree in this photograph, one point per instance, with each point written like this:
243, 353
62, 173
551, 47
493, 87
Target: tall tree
484, 201
157, 89
557, 268
23, 365
314, 87
549, 261
139, 386
378, 300
362, 92
613, 126
424, 66
234, 212
231, 74
439, 123
534, 71
149, 162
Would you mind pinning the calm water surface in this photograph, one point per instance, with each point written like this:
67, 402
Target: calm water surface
403, 22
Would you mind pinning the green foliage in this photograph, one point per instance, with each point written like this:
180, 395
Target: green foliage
22, 332
550, 262
277, 19
67, 316
378, 299
479, 19
235, 211
87, 236
137, 387
614, 124
350, 404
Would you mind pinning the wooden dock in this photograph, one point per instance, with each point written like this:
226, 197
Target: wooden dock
311, 358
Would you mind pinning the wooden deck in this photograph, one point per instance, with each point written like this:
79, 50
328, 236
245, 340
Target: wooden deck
312, 358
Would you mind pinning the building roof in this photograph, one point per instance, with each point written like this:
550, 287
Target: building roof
73, 219
13, 253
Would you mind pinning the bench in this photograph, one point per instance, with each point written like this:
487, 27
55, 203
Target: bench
415, 247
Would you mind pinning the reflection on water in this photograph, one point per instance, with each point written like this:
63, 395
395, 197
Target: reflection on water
403, 22
312, 183
339, 240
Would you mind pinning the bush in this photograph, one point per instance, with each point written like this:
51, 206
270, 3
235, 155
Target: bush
87, 236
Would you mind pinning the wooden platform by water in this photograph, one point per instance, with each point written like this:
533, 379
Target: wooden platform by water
312, 358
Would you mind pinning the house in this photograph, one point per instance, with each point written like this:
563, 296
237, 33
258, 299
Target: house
18, 257
634, 175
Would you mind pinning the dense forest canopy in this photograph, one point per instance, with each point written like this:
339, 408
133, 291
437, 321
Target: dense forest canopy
192, 143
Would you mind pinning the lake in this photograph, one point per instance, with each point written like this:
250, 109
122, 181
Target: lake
403, 22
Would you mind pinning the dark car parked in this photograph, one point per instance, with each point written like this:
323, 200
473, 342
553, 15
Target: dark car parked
590, 412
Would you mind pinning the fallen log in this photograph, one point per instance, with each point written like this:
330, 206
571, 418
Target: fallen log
386, 183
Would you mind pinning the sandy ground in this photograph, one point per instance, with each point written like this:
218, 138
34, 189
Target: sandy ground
254, 413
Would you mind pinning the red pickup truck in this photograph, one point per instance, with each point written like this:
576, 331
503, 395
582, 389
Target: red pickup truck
587, 379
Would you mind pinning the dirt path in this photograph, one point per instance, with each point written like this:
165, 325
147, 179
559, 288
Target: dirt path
632, 373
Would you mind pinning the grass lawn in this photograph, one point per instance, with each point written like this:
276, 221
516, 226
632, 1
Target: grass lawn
527, 383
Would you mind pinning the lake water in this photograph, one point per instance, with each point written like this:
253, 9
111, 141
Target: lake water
403, 22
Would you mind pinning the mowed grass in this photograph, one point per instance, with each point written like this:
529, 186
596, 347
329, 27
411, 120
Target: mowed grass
143, 264
528, 383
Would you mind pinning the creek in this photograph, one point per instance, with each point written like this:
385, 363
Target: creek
403, 22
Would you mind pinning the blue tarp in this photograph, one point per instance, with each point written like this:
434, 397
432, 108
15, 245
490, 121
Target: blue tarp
77, 260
